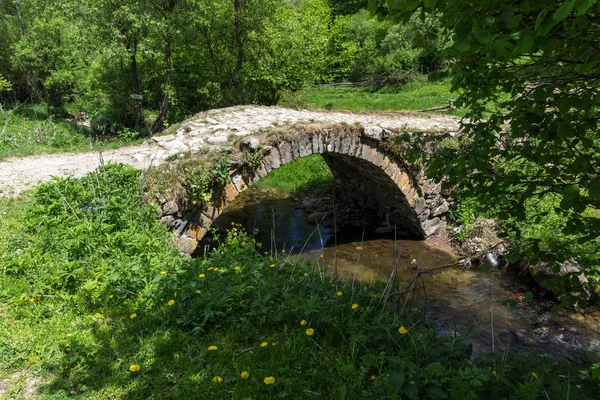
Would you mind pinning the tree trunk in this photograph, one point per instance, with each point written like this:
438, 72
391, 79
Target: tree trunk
164, 108
136, 86
237, 31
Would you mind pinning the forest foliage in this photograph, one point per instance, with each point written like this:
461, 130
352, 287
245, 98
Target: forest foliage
184, 56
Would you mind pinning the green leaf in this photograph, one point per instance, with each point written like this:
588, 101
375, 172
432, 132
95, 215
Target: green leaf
507, 13
528, 296
510, 303
483, 36
397, 379
540, 19
594, 191
429, 3
583, 5
525, 43
564, 11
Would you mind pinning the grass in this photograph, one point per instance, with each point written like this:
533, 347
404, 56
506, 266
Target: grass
32, 129
305, 176
412, 96
95, 304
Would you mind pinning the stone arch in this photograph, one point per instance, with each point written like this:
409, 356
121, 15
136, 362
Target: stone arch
364, 171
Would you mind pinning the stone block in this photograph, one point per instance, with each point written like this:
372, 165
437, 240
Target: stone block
305, 146
285, 152
261, 171
250, 143
274, 159
420, 205
373, 132
377, 158
196, 232
230, 191
431, 226
185, 244
317, 143
442, 209
211, 211
170, 208
239, 183
385, 163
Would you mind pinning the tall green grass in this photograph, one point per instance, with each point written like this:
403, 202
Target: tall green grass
33, 128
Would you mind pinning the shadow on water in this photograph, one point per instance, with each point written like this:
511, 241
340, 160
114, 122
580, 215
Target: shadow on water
454, 300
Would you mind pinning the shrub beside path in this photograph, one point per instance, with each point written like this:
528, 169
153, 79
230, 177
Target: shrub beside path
211, 130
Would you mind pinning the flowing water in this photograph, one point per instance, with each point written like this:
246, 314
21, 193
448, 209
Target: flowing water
454, 299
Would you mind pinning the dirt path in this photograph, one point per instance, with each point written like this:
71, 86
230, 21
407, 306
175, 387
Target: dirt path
210, 129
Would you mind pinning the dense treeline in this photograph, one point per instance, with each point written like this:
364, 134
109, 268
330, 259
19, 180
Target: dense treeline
183, 56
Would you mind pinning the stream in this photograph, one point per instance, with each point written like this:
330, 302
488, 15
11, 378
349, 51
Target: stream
454, 299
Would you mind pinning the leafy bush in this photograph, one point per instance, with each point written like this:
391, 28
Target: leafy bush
383, 53
90, 237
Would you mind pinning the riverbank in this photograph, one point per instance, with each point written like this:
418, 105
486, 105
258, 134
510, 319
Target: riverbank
109, 310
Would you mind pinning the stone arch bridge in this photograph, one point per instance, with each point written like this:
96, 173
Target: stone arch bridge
366, 172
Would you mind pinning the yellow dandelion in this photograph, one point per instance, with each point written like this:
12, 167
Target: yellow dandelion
269, 380
403, 330
32, 299
534, 375
217, 379
244, 375
340, 293
310, 331
283, 250
59, 283
373, 377
111, 296
210, 269
201, 276
273, 344
170, 303
264, 344
215, 269
98, 315
163, 272
303, 322
212, 348
272, 265
69, 334
134, 367
354, 306
237, 268
494, 372
132, 316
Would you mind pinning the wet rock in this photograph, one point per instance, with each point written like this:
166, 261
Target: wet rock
542, 271
316, 217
